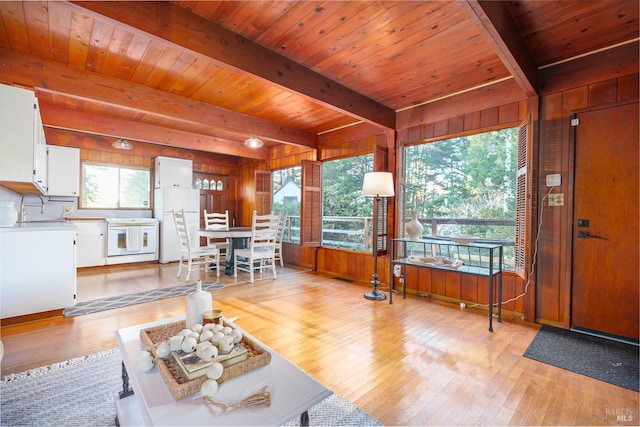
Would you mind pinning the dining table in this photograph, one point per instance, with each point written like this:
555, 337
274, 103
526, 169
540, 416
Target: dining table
239, 237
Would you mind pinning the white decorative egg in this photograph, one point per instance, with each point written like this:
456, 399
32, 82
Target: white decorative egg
237, 336
205, 336
215, 371
141, 355
208, 327
196, 327
225, 343
185, 332
163, 350
175, 342
146, 363
189, 345
215, 339
209, 388
217, 327
209, 353
201, 346
227, 330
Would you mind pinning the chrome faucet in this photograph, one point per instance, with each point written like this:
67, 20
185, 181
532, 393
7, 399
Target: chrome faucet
23, 211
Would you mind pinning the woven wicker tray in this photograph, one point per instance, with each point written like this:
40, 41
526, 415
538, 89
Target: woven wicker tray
170, 373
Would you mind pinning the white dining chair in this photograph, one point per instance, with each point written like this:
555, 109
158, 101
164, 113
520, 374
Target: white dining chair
217, 221
261, 248
193, 254
282, 223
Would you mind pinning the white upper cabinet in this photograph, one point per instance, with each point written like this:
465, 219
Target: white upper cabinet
64, 171
23, 164
172, 172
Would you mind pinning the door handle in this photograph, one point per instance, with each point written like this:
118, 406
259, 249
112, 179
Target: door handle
587, 235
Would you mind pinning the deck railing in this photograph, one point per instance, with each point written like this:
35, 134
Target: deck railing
349, 232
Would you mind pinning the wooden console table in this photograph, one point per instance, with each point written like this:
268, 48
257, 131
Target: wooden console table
401, 248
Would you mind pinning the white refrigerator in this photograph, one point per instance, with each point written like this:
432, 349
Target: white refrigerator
167, 199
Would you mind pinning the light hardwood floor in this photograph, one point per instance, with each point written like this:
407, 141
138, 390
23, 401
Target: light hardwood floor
416, 362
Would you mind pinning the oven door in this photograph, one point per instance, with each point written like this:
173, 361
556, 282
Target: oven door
130, 240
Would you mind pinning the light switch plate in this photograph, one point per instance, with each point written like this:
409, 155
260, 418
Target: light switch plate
554, 180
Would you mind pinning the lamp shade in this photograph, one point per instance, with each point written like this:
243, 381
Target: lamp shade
379, 184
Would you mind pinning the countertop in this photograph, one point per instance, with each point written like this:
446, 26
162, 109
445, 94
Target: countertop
54, 225
86, 218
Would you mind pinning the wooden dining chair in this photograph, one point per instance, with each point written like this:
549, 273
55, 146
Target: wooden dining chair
261, 247
193, 254
217, 221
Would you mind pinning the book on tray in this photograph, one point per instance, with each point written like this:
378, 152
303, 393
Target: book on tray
193, 366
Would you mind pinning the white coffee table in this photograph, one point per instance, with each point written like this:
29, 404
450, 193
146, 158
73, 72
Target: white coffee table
293, 392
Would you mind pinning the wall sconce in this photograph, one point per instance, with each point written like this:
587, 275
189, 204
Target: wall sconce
122, 144
253, 142
378, 185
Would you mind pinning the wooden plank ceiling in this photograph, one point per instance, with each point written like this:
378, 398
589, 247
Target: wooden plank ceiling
206, 75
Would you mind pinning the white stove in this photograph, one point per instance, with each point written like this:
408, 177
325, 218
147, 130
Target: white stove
131, 240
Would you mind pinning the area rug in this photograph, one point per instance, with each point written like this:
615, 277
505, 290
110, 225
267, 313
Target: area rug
119, 301
600, 358
81, 392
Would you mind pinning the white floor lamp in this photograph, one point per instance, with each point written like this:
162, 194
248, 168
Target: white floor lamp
378, 185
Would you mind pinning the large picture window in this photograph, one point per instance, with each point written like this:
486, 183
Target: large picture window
465, 185
346, 213
115, 187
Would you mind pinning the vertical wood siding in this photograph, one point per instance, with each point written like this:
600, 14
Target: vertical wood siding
553, 280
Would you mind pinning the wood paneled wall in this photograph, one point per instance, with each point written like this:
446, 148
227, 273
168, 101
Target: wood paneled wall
553, 281
476, 109
98, 148
282, 157
511, 114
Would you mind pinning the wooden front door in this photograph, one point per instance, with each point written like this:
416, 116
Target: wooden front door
605, 222
214, 190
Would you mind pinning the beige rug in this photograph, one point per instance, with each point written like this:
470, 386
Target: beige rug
81, 392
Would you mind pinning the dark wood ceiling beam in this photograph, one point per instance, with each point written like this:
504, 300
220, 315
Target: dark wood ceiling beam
496, 24
176, 25
62, 118
34, 72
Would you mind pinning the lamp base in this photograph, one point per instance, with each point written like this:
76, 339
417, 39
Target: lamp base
375, 294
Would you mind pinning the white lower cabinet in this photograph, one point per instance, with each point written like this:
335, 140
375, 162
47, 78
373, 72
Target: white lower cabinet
37, 270
91, 242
